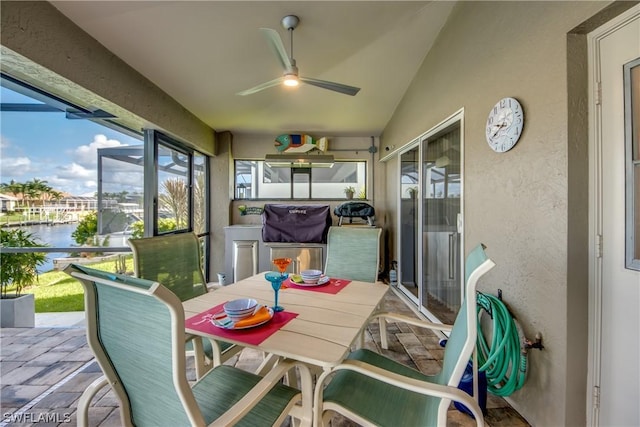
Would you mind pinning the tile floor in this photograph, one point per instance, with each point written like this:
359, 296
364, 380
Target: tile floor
44, 370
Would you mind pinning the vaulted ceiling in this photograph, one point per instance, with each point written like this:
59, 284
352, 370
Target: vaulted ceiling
202, 53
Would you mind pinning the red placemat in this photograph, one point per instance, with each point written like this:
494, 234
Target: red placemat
333, 287
254, 336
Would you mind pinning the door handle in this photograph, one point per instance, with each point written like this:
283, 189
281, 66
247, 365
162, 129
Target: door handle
452, 254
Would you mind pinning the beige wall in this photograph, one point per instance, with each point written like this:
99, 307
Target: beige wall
517, 203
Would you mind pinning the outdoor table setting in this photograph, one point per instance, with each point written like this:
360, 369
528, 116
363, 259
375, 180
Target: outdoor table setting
307, 317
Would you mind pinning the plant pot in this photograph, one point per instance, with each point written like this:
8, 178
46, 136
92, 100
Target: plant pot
17, 312
349, 195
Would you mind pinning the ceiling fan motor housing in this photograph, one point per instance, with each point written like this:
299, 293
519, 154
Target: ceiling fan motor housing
290, 22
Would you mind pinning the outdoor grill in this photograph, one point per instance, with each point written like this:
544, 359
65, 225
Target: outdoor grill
295, 224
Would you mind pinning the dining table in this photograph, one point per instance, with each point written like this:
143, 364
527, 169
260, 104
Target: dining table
319, 324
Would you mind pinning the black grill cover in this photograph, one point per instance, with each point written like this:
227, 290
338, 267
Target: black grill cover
354, 210
296, 224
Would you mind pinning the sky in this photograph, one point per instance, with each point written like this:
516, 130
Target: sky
51, 148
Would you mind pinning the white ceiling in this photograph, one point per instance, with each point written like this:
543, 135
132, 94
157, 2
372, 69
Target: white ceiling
202, 53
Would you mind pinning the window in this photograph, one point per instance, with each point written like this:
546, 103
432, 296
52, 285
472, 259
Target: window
62, 163
632, 155
254, 179
50, 167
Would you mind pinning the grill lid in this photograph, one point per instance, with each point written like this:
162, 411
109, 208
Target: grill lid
296, 224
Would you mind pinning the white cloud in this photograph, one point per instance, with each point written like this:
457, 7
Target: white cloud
87, 155
15, 166
4, 142
75, 171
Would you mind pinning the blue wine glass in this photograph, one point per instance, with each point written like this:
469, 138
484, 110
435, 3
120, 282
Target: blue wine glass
276, 278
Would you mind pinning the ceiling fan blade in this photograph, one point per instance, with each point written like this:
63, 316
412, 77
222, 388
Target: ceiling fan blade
337, 87
274, 40
262, 86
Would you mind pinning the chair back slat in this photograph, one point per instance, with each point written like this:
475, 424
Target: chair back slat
462, 338
353, 253
134, 335
175, 260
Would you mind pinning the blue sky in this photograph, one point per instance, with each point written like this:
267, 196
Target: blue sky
49, 147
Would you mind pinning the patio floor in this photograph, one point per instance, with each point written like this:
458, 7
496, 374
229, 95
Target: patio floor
44, 370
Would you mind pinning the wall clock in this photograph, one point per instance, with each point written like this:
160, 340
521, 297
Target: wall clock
504, 125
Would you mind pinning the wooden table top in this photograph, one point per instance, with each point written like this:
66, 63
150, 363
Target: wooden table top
325, 328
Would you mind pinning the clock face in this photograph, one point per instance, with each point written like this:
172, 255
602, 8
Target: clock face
504, 125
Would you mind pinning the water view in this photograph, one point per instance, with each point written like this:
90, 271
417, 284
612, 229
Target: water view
54, 235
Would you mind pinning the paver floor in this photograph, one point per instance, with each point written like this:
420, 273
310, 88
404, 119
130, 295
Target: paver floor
44, 370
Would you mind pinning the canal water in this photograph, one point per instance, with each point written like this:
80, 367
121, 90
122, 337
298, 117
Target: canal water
58, 235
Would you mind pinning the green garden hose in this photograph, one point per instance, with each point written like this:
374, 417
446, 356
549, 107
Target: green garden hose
504, 362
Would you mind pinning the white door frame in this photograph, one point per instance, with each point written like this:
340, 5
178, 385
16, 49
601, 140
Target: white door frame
458, 116
596, 212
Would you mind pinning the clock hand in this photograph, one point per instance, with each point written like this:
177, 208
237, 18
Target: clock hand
495, 132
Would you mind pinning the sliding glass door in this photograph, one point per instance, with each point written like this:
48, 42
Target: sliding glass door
430, 221
441, 197
408, 214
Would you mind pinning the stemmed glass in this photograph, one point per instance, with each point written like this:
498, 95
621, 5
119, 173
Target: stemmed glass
282, 264
276, 280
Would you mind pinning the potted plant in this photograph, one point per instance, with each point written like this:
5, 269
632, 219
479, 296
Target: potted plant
349, 191
18, 270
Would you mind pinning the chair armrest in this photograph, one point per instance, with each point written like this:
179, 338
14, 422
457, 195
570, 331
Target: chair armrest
413, 321
244, 405
397, 380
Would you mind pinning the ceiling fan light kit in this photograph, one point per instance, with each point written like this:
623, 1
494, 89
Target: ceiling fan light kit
290, 76
291, 80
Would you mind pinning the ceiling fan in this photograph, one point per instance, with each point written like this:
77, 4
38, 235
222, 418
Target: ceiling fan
291, 76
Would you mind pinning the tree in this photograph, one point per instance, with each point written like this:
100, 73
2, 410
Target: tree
13, 187
87, 228
175, 199
38, 188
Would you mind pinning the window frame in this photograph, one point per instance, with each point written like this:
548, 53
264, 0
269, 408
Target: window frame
360, 163
632, 164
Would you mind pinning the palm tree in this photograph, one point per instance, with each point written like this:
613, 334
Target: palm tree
175, 198
12, 187
41, 189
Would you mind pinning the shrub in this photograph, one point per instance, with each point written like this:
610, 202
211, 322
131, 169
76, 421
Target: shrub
19, 269
87, 228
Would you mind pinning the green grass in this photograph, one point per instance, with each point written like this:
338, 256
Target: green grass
56, 291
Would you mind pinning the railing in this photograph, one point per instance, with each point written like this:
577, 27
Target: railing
49, 249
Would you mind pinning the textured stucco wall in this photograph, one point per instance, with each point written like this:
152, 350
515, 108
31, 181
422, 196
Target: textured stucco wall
516, 203
42, 47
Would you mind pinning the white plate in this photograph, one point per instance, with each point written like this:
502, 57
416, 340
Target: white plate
221, 321
323, 281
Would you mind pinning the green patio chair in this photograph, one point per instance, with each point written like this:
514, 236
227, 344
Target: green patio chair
135, 328
371, 389
353, 253
175, 260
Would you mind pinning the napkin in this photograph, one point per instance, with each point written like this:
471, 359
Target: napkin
262, 315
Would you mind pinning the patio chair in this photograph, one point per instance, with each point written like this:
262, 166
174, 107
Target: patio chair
175, 260
135, 328
353, 253
371, 389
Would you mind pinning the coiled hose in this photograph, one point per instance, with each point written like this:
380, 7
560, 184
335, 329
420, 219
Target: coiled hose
504, 362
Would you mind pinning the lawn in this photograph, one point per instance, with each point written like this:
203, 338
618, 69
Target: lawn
56, 291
